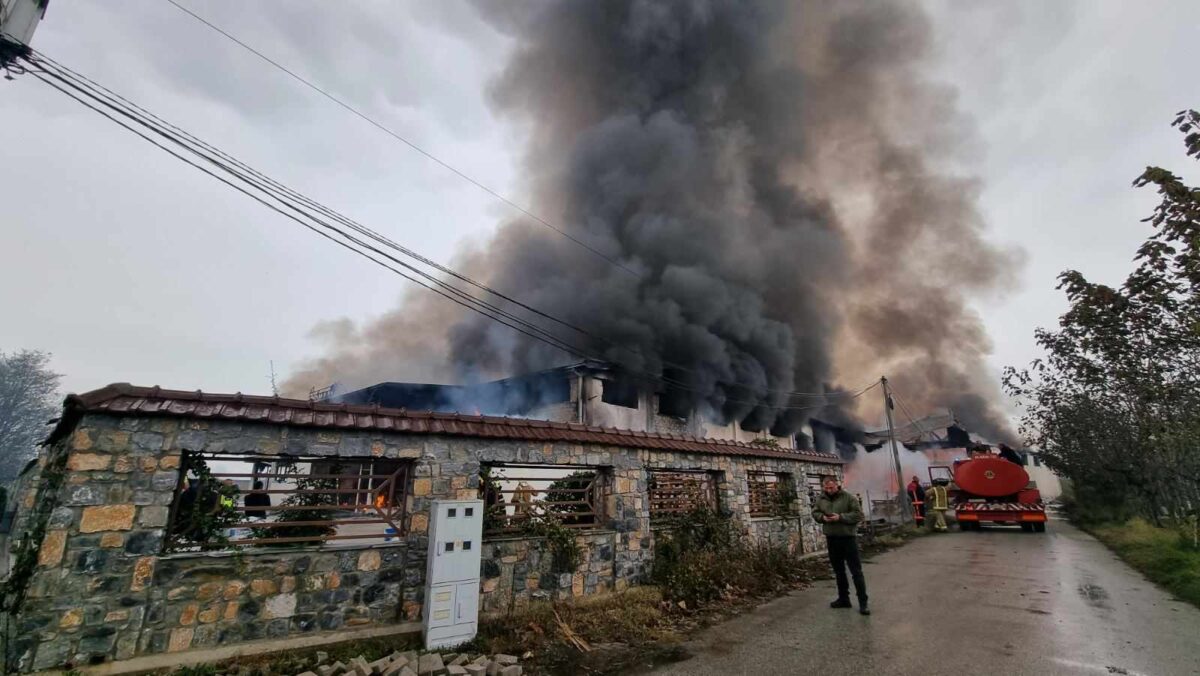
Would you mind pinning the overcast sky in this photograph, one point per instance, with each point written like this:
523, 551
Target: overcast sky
129, 266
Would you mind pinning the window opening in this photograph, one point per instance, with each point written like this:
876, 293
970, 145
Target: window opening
619, 393
769, 493
515, 494
227, 501
679, 492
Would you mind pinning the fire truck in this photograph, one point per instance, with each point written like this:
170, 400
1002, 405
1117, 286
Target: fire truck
991, 489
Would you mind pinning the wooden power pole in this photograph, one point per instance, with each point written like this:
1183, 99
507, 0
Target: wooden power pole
905, 508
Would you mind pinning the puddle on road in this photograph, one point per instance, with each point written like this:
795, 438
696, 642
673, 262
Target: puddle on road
1094, 594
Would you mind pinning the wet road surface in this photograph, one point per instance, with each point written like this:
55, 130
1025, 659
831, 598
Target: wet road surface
998, 601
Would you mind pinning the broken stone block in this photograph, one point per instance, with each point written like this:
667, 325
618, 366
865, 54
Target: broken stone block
308, 673
407, 671
476, 669
458, 661
493, 668
505, 659
511, 670
326, 670
379, 665
482, 661
322, 656
360, 666
430, 663
410, 658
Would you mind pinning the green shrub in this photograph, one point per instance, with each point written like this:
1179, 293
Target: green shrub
702, 558
1167, 556
564, 549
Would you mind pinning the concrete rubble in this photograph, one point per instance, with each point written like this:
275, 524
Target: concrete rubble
411, 663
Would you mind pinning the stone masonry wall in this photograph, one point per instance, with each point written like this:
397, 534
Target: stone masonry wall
103, 589
517, 571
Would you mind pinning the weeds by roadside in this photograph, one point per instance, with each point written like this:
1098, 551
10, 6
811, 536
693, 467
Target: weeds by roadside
702, 558
1167, 556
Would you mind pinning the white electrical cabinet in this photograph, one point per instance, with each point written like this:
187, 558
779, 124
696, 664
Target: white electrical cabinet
452, 575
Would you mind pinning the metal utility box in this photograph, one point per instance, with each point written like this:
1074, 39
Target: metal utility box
451, 610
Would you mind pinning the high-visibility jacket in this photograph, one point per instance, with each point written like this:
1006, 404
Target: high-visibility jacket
937, 498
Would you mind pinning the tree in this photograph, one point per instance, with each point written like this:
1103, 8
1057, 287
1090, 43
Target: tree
565, 495
1115, 404
27, 403
318, 506
205, 510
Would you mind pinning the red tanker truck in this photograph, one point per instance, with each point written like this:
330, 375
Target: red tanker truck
988, 488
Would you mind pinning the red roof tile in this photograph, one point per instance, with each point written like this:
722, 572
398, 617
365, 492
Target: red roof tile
126, 399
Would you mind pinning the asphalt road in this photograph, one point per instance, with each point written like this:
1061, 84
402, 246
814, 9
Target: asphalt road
993, 602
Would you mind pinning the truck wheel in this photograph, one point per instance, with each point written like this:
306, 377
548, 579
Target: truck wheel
1027, 527
1039, 527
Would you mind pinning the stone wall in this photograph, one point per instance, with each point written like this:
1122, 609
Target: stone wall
103, 589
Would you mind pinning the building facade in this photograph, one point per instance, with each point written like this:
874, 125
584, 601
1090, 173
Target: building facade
111, 567
587, 393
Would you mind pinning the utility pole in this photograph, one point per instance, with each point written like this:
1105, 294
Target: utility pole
905, 508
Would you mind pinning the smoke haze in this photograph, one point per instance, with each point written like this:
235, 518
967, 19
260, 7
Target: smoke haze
778, 176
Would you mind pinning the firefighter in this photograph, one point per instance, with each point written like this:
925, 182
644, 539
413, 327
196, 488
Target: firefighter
937, 499
839, 514
916, 493
228, 494
257, 502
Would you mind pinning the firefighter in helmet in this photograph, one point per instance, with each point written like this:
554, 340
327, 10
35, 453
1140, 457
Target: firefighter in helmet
937, 501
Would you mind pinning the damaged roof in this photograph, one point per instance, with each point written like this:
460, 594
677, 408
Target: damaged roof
124, 399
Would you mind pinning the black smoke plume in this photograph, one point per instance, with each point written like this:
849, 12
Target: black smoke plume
773, 173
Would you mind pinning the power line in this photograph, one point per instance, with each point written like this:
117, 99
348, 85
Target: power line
277, 186
457, 298
907, 414
461, 174
287, 198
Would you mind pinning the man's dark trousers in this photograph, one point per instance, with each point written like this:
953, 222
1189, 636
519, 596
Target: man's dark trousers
843, 552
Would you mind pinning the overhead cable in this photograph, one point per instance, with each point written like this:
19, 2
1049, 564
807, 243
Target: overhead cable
429, 155
261, 188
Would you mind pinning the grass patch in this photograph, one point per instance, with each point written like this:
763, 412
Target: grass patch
1164, 555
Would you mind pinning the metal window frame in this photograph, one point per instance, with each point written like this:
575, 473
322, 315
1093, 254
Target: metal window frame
687, 490
762, 495
392, 491
591, 496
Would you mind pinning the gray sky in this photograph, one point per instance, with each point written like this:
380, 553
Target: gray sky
130, 266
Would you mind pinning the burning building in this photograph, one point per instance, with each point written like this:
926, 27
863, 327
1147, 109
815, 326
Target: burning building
594, 393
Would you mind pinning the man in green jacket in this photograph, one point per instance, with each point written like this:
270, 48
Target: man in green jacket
839, 512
